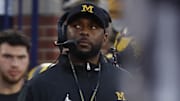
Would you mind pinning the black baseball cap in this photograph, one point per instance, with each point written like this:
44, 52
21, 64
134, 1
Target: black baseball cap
90, 10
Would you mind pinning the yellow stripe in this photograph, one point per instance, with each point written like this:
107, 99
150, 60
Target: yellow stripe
43, 69
31, 73
121, 44
109, 55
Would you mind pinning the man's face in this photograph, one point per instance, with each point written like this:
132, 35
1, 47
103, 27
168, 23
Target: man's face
14, 61
89, 36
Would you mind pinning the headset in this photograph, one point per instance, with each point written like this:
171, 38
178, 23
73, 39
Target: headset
62, 37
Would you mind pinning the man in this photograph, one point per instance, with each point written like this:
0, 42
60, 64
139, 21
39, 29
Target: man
14, 61
122, 50
83, 74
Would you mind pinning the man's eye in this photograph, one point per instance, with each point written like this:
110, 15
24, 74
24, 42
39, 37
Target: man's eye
22, 57
77, 26
93, 27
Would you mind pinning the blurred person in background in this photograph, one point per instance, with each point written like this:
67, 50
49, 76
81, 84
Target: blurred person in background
122, 50
14, 62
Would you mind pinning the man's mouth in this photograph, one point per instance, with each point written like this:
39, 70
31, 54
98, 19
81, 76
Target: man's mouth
83, 42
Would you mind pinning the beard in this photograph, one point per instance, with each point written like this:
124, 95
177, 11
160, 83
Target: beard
13, 80
84, 55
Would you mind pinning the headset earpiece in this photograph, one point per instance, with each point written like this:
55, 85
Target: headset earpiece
62, 37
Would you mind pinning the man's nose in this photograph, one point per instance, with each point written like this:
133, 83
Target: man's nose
15, 62
84, 31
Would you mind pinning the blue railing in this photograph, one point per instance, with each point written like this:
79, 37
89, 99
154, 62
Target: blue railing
34, 33
6, 18
20, 2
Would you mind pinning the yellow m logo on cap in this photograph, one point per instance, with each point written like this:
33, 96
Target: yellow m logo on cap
120, 96
86, 8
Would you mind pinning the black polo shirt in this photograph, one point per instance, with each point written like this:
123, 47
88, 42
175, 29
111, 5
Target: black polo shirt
58, 83
9, 97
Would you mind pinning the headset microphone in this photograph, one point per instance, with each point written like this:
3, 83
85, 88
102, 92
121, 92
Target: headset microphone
66, 44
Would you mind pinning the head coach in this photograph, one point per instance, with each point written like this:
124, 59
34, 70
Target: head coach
82, 74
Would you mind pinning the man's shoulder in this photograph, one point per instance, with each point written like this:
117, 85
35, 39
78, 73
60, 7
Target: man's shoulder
46, 76
56, 73
116, 69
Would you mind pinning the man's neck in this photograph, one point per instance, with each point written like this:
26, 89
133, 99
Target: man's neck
6, 88
93, 60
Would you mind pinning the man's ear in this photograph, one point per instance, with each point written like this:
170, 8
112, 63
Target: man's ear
106, 36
